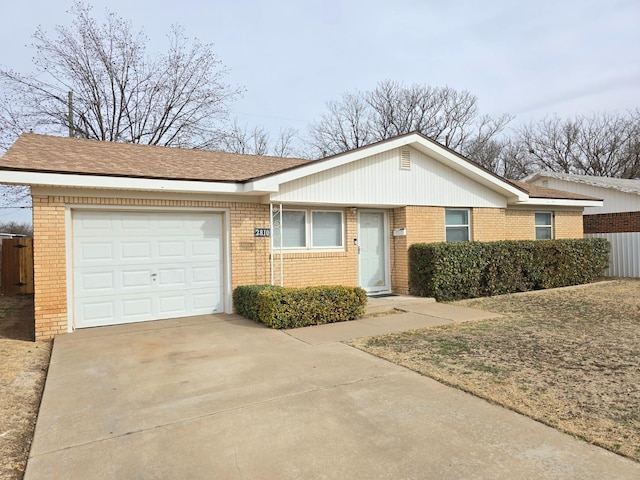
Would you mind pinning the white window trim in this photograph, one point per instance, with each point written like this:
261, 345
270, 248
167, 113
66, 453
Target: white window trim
550, 226
308, 237
468, 224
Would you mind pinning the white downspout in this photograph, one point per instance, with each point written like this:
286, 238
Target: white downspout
281, 245
272, 230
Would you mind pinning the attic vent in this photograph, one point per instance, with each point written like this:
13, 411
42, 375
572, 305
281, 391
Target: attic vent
545, 183
405, 160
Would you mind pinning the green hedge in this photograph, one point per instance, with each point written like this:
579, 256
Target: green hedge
456, 270
280, 307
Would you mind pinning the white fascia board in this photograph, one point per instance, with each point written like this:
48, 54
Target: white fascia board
119, 183
558, 202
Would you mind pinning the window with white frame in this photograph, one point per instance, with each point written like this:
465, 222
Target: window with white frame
457, 225
544, 225
310, 229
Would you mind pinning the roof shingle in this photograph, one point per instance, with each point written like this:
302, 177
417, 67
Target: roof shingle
45, 153
537, 191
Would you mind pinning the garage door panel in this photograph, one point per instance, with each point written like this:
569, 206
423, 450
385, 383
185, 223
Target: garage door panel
204, 302
92, 283
172, 305
201, 275
209, 247
90, 253
96, 313
94, 224
132, 223
138, 266
137, 308
172, 277
137, 251
168, 249
131, 279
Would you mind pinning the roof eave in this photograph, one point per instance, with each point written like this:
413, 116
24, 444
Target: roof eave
118, 183
559, 202
271, 183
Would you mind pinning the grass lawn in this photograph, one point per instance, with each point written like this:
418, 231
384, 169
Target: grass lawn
568, 357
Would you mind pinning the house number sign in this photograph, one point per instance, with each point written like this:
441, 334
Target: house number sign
262, 232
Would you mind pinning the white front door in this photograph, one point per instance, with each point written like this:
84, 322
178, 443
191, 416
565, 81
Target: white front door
138, 266
372, 258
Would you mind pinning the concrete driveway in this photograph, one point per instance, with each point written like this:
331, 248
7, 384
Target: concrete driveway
222, 397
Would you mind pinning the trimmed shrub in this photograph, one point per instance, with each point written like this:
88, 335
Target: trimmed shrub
245, 300
452, 271
280, 307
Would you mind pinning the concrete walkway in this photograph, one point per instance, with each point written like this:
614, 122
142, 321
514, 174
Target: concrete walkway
409, 313
222, 397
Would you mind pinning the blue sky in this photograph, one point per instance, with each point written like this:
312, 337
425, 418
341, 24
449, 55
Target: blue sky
529, 59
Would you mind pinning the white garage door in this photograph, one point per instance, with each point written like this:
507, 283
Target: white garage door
138, 266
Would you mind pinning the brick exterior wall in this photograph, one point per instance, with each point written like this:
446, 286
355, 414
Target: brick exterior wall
567, 224
250, 262
612, 222
49, 266
520, 224
488, 224
305, 269
423, 224
249, 255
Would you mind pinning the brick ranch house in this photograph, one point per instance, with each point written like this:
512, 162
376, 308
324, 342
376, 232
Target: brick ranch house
127, 233
617, 220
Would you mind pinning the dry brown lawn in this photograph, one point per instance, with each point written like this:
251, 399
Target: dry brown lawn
568, 357
23, 368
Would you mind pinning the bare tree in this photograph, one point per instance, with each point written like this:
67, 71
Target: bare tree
345, 126
284, 145
442, 113
601, 144
256, 141
17, 228
119, 92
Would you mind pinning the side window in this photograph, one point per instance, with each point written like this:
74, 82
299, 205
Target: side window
457, 225
544, 225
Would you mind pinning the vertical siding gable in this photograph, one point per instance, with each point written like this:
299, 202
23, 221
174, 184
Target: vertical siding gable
379, 180
614, 200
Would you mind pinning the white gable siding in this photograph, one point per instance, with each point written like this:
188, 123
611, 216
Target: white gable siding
379, 181
614, 200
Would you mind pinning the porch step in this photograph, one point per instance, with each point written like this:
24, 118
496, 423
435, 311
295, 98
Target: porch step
378, 306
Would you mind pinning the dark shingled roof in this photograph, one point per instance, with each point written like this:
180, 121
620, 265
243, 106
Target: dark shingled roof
45, 153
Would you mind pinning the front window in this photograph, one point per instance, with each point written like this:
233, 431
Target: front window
544, 225
310, 229
293, 228
326, 229
457, 225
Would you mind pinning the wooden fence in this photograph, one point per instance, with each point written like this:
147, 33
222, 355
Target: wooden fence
17, 266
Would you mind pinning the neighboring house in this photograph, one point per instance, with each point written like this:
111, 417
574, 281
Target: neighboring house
617, 220
126, 233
